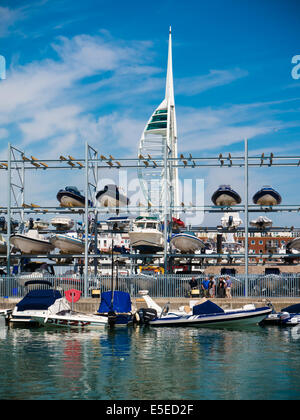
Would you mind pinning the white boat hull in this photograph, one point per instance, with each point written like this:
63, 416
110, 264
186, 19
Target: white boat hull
234, 319
68, 245
187, 243
72, 320
106, 200
31, 246
147, 240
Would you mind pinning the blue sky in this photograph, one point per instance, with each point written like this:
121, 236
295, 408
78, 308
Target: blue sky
95, 71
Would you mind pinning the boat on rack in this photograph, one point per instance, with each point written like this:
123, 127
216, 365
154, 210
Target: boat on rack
205, 314
110, 196
262, 222
41, 299
226, 196
231, 220
62, 223
187, 242
146, 235
294, 245
3, 246
71, 197
35, 271
267, 196
68, 243
37, 224
31, 242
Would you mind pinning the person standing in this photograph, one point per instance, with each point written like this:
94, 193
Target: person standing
212, 287
221, 292
228, 287
205, 287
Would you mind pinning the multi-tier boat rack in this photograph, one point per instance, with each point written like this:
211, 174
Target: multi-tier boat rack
18, 163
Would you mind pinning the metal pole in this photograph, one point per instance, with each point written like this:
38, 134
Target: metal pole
246, 219
8, 209
86, 219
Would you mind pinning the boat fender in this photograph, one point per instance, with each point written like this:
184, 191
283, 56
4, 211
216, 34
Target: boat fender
137, 318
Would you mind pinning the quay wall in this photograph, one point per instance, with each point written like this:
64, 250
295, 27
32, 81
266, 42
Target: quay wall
91, 305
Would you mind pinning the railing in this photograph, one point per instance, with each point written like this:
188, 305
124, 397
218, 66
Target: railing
168, 286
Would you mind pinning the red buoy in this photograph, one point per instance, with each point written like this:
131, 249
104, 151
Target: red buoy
73, 295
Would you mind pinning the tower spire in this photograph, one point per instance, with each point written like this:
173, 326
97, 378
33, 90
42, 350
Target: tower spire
170, 82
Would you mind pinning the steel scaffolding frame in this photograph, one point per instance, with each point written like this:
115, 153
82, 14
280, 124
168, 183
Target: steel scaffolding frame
17, 164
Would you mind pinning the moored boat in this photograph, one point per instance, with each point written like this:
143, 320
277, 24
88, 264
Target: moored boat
226, 196
31, 243
289, 316
267, 196
116, 306
205, 314
37, 302
187, 242
71, 197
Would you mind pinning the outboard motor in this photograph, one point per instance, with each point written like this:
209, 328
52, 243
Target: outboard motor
146, 315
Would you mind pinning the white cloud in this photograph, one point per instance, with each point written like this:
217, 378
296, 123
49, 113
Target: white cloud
194, 85
8, 18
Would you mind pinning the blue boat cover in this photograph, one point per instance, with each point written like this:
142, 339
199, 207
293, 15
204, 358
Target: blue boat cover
207, 308
294, 309
121, 302
38, 300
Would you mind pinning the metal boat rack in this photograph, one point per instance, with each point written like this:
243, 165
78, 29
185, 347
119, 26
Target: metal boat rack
18, 163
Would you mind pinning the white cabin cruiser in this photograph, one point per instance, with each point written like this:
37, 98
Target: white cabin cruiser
31, 243
146, 235
37, 302
68, 243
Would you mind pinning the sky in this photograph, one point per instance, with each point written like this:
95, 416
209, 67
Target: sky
95, 71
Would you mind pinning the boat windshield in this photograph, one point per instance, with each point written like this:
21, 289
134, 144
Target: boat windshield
151, 225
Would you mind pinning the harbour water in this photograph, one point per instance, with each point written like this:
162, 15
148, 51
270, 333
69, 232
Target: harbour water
150, 364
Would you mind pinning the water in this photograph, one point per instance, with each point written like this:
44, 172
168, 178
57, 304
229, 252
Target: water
144, 363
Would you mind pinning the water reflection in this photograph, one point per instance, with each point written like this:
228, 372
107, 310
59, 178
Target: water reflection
149, 363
